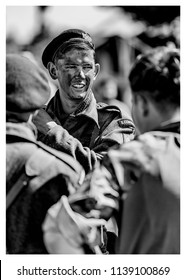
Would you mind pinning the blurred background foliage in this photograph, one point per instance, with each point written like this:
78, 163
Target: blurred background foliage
153, 15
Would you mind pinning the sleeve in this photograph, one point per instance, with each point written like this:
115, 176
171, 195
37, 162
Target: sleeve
114, 131
84, 213
55, 136
147, 173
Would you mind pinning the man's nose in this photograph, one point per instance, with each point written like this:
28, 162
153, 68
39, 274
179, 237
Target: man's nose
80, 72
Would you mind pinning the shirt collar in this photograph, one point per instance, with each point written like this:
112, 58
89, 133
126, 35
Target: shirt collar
88, 108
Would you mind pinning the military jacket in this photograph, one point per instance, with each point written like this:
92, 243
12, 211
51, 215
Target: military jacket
47, 178
148, 172
85, 134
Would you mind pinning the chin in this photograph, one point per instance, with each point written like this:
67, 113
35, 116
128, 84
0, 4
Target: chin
82, 95
78, 97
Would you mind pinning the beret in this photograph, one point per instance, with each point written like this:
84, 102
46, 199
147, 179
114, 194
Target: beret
67, 37
27, 87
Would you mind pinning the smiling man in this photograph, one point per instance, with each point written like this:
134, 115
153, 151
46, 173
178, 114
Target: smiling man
73, 121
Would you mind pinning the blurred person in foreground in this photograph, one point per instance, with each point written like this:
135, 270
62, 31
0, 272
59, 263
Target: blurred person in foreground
36, 175
139, 182
73, 122
148, 168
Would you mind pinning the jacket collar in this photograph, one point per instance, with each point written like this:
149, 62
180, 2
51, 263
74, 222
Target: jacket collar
24, 130
87, 108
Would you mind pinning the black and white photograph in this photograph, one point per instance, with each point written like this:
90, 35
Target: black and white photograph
93, 141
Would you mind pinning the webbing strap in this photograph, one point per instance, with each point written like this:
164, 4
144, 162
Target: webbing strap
69, 160
16, 189
23, 179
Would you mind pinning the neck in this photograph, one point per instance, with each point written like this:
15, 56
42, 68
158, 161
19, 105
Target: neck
69, 105
157, 117
74, 105
174, 117
170, 116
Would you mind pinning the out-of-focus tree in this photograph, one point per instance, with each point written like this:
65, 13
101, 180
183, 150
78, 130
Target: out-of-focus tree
162, 25
162, 34
153, 15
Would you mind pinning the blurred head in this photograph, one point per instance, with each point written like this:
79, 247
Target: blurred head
70, 58
106, 88
27, 87
155, 84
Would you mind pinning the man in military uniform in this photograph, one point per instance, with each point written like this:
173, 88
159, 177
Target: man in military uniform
36, 175
72, 121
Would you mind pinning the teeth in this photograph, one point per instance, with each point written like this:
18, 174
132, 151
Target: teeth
78, 86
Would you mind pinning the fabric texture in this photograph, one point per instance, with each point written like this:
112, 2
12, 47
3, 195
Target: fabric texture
27, 87
50, 178
85, 214
77, 232
86, 134
148, 173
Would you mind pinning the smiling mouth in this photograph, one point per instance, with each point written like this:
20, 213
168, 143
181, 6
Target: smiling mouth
78, 86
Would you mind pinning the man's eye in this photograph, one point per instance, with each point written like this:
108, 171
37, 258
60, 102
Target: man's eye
87, 66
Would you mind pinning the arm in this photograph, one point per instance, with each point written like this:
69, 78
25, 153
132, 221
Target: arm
114, 131
111, 133
55, 136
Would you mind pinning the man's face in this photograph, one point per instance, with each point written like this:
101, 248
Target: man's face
76, 72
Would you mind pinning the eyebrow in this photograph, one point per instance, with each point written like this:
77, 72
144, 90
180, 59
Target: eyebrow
72, 63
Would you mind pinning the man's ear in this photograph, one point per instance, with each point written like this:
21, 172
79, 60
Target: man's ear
97, 70
52, 70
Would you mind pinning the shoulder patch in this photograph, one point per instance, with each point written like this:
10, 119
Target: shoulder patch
125, 123
101, 105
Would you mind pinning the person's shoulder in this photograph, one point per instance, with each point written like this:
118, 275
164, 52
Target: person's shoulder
46, 158
112, 112
108, 108
104, 109
61, 157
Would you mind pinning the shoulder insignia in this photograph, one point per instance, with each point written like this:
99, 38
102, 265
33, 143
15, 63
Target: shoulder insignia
101, 105
125, 123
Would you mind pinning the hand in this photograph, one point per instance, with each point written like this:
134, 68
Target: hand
66, 231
